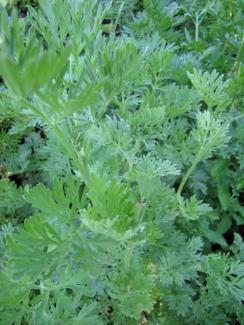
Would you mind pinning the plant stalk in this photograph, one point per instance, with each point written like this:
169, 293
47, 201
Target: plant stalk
190, 171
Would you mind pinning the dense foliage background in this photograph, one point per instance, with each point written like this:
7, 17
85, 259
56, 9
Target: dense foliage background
121, 162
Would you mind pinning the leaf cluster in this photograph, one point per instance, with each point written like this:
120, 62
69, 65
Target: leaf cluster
121, 190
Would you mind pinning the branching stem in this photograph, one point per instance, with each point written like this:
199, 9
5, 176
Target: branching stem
79, 162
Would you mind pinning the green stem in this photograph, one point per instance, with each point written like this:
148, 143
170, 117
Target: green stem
71, 68
190, 170
80, 165
206, 142
79, 162
36, 111
197, 27
237, 60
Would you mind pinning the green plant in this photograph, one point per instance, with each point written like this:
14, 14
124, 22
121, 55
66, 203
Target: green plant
129, 156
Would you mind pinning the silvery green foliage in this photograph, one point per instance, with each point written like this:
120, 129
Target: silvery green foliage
122, 215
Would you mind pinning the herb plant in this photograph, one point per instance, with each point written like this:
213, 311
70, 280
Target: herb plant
121, 163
